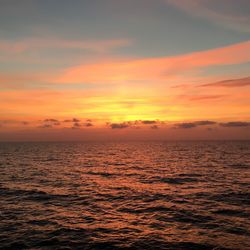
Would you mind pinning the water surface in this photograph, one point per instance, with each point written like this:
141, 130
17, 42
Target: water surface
135, 195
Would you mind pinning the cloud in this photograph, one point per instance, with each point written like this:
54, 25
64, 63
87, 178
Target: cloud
151, 69
204, 97
52, 122
76, 125
134, 124
148, 122
187, 125
88, 124
240, 82
225, 13
119, 125
204, 123
76, 120
199, 97
34, 44
235, 124
72, 120
137, 124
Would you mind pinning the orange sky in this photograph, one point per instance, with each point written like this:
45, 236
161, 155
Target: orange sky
54, 86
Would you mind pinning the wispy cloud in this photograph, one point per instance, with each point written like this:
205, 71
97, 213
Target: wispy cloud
231, 83
235, 124
219, 14
150, 69
187, 125
204, 97
34, 44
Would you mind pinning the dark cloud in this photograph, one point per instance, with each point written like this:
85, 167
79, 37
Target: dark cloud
240, 82
76, 120
50, 120
76, 125
148, 122
235, 124
72, 120
133, 124
119, 125
25, 123
88, 124
203, 123
185, 125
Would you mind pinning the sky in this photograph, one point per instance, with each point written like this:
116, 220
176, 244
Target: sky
115, 69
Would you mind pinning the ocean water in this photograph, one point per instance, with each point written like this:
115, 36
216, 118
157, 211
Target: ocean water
131, 195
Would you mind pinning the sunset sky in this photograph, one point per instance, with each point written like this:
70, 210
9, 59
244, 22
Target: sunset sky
124, 69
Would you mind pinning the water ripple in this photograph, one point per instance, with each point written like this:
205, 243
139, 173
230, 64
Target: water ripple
145, 195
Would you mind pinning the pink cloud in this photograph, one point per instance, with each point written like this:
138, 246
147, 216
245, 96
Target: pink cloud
151, 69
205, 97
24, 45
230, 83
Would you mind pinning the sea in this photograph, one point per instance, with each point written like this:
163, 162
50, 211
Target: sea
125, 195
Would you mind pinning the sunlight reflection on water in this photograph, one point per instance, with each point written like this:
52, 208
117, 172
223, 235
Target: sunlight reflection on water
144, 195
